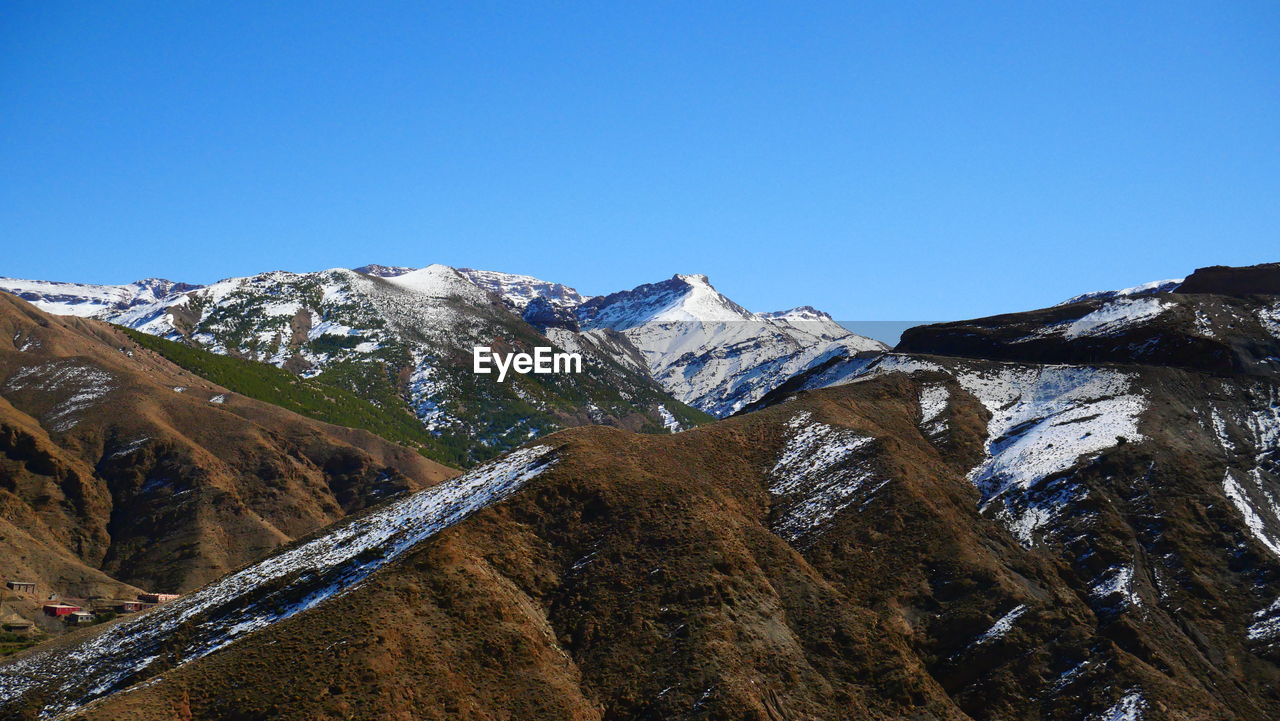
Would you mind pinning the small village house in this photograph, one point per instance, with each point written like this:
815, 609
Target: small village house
18, 625
79, 618
58, 610
157, 597
21, 586
129, 606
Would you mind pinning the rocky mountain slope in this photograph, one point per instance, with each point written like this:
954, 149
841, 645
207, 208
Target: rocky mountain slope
401, 336
933, 537
120, 470
703, 348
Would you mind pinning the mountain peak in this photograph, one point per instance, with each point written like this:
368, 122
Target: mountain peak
440, 281
682, 298
799, 313
693, 278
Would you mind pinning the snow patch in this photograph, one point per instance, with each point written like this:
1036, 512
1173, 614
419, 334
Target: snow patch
933, 402
1002, 626
1130, 707
1116, 317
1266, 623
1044, 419
1117, 581
821, 471
669, 420
76, 385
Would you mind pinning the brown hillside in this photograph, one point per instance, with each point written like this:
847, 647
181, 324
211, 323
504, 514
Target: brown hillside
654, 577
119, 470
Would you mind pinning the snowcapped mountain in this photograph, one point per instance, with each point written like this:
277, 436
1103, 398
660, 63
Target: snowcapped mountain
388, 331
706, 350
712, 353
398, 337
384, 271
88, 300
930, 535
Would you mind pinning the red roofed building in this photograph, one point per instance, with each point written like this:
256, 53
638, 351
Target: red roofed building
58, 610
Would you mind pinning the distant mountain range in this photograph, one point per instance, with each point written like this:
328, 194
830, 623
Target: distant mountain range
1064, 514
403, 337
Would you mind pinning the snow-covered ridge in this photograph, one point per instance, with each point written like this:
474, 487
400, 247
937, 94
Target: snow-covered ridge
89, 300
518, 291
1116, 317
799, 313
712, 353
237, 604
1153, 288
682, 298
438, 281
384, 271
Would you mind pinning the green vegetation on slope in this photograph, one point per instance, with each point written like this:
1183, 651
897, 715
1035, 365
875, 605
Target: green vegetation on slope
312, 398
366, 394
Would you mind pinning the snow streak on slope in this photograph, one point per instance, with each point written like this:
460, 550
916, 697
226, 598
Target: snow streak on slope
1116, 317
1044, 419
74, 384
1251, 446
262, 594
1002, 626
821, 471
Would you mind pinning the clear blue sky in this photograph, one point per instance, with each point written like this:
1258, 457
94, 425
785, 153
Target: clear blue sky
891, 160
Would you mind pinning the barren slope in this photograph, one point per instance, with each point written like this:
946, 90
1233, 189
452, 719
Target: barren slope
942, 539
117, 467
